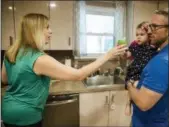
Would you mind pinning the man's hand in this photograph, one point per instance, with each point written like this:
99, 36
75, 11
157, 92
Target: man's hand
135, 83
144, 98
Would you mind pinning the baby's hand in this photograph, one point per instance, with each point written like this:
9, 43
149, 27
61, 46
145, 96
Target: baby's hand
146, 27
135, 84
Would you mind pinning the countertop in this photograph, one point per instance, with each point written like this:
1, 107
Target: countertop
68, 87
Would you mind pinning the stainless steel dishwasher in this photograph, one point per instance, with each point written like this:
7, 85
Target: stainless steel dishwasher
61, 111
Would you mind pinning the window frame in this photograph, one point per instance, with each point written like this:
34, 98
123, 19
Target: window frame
102, 11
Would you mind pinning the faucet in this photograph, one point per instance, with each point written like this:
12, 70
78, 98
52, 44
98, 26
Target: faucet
118, 71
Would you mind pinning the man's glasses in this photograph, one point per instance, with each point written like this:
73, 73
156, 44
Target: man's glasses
155, 27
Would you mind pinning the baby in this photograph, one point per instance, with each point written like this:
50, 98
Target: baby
140, 52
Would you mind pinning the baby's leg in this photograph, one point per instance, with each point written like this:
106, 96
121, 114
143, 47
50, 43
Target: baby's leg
128, 106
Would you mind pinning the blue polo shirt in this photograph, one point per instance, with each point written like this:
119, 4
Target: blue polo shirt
155, 78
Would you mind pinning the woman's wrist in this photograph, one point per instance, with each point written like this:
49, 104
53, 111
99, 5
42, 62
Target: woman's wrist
107, 56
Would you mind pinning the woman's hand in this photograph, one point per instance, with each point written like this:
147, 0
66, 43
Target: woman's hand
116, 51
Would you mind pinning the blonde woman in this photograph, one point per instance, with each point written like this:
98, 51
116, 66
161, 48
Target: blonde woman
27, 70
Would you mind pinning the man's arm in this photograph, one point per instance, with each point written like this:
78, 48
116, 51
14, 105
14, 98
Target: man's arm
144, 98
153, 84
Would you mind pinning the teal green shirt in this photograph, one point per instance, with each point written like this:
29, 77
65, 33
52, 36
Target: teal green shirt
26, 95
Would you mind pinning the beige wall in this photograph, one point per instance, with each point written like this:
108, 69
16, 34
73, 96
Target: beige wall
163, 4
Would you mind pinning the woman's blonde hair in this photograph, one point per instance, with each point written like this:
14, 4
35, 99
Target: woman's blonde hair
30, 35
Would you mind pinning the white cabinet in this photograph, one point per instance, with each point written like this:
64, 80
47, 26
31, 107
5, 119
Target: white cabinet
94, 109
25, 7
8, 33
59, 12
117, 106
61, 23
104, 109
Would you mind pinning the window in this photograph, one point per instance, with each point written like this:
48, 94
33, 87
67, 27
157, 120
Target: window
98, 26
99, 33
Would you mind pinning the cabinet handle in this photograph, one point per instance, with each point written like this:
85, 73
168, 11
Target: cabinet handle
55, 103
10, 40
107, 101
69, 41
112, 99
112, 105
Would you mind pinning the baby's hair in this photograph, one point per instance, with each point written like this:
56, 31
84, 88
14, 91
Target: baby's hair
141, 24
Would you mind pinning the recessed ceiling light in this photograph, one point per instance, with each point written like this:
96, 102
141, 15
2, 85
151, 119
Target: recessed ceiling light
52, 5
10, 7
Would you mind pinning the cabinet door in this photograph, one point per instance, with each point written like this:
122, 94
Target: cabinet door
61, 22
7, 24
94, 109
117, 115
25, 7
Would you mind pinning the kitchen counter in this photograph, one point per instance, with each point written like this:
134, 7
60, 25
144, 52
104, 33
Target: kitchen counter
68, 87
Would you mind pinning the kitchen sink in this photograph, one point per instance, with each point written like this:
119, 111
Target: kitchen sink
100, 80
119, 80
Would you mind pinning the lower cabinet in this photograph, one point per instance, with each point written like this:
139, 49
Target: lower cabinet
94, 109
117, 106
103, 109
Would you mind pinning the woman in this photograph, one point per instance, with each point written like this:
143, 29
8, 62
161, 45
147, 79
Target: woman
27, 70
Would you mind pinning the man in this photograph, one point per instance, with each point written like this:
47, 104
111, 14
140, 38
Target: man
150, 98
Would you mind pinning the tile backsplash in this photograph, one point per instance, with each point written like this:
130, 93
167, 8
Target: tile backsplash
60, 55
108, 65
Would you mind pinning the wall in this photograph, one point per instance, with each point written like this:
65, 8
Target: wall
129, 21
163, 4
